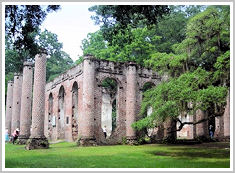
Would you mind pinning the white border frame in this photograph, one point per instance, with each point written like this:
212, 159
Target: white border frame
117, 169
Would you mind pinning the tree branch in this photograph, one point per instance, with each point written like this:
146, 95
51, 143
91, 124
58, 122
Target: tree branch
182, 124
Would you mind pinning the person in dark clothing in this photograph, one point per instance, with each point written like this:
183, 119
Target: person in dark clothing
211, 133
15, 135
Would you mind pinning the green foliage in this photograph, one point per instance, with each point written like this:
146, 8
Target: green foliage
172, 64
58, 62
206, 35
79, 60
142, 45
147, 86
211, 95
110, 84
13, 61
22, 26
114, 118
95, 45
114, 18
222, 66
187, 93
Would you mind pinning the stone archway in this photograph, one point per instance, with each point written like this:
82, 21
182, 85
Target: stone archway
51, 120
75, 111
109, 111
61, 113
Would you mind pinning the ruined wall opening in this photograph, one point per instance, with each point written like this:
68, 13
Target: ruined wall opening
50, 115
148, 86
211, 125
109, 111
61, 113
75, 111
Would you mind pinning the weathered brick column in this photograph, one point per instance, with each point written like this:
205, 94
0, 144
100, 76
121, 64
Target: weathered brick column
227, 118
131, 78
201, 128
169, 127
219, 127
26, 99
37, 138
87, 124
15, 122
9, 106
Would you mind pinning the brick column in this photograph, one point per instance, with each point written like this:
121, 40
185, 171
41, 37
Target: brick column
9, 106
26, 99
15, 122
131, 78
219, 127
201, 128
169, 125
37, 138
87, 124
227, 118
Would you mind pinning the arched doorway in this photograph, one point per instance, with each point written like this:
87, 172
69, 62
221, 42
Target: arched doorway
147, 86
61, 113
109, 109
50, 116
75, 111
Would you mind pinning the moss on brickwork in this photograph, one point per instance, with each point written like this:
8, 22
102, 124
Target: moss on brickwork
37, 143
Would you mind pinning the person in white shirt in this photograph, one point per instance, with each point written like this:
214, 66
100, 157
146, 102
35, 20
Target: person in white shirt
105, 131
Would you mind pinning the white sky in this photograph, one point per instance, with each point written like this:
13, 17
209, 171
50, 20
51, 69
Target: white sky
71, 23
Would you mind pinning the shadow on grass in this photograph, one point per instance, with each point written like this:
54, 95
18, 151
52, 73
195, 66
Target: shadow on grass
204, 145
206, 150
194, 154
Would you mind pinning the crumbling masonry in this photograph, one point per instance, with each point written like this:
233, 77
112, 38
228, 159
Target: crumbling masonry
75, 106
26, 100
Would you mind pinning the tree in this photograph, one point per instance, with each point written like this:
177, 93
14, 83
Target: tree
95, 45
142, 45
22, 26
172, 27
136, 40
208, 36
193, 70
114, 18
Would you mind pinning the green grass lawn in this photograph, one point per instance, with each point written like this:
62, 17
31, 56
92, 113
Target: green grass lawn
68, 155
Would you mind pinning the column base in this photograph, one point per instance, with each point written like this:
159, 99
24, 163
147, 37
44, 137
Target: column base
37, 143
131, 140
22, 139
86, 141
202, 138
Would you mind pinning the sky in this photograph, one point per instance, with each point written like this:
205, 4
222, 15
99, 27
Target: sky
71, 23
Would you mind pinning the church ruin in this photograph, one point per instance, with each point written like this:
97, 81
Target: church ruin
76, 105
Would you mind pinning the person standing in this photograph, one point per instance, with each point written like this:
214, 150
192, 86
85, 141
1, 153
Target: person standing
6, 136
211, 131
105, 131
15, 135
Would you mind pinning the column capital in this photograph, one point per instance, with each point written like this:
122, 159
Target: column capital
42, 51
88, 57
18, 74
27, 63
131, 63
